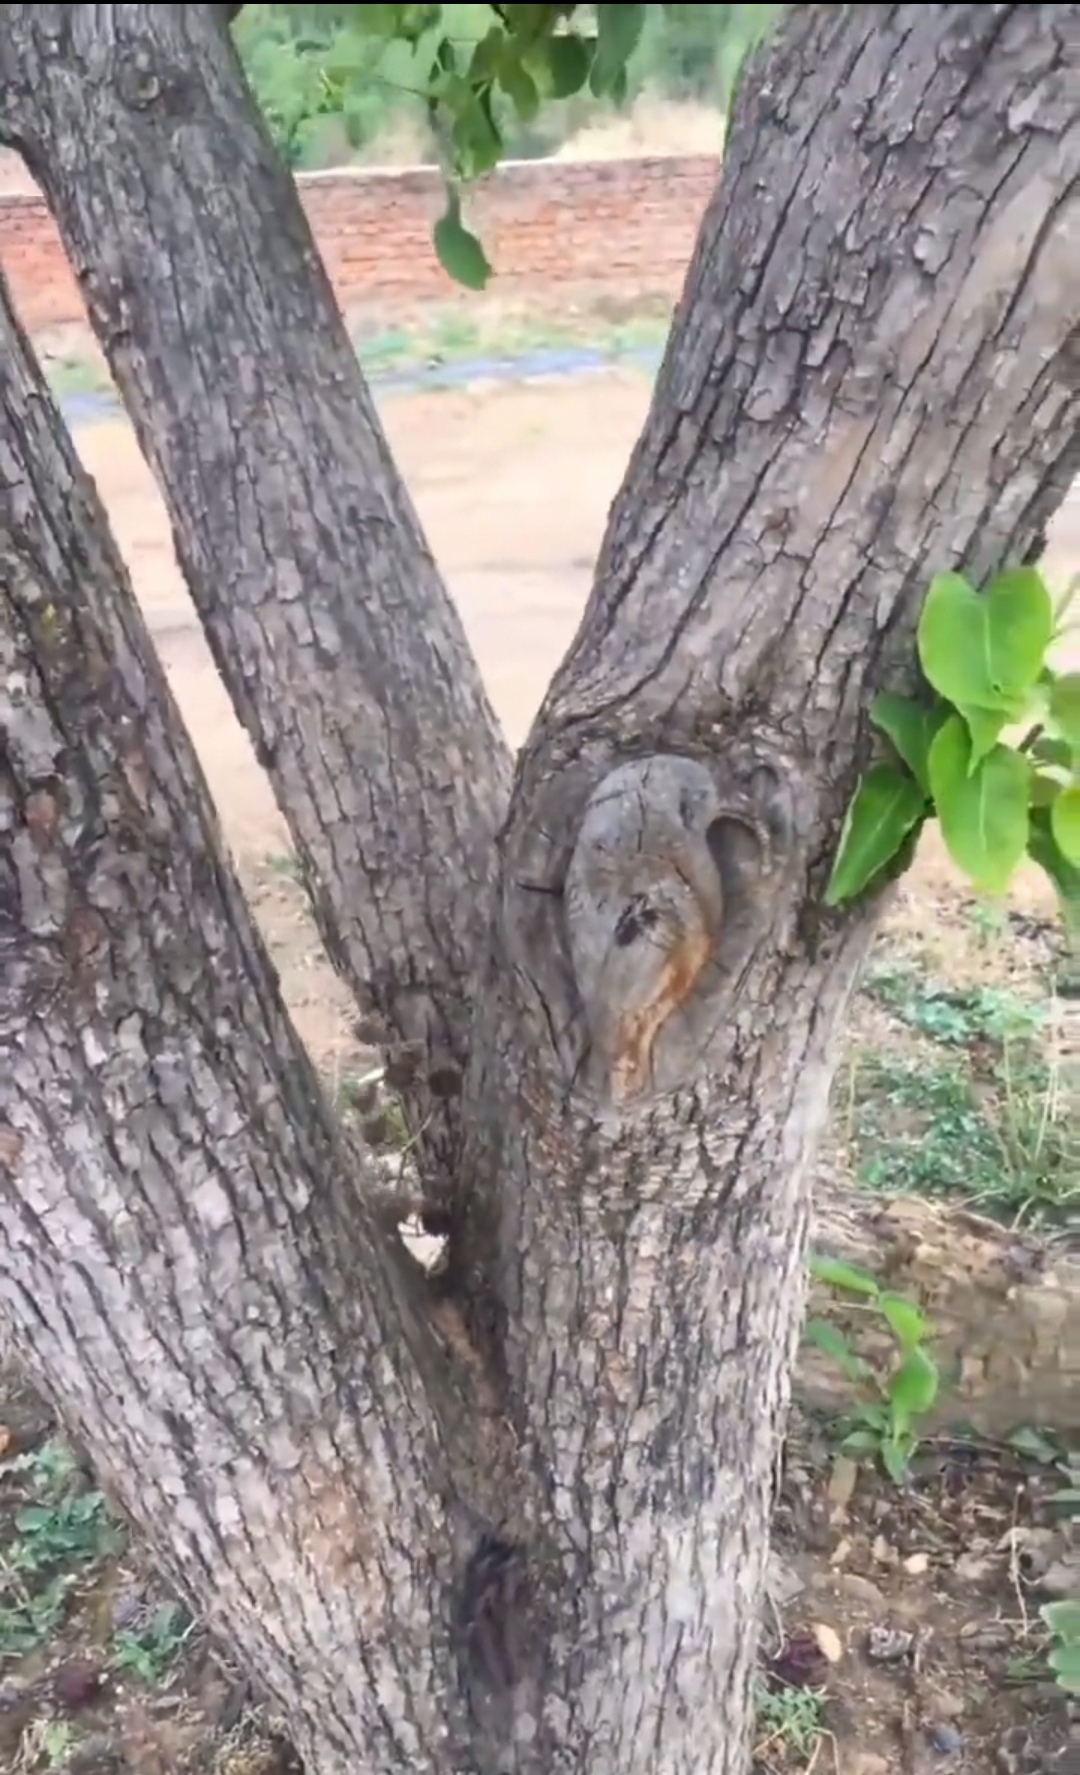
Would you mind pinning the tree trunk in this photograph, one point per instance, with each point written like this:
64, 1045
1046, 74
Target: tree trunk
869, 379
184, 1261
329, 623
653, 1053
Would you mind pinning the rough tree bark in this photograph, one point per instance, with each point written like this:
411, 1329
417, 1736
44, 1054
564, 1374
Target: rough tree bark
183, 1254
872, 374
343, 654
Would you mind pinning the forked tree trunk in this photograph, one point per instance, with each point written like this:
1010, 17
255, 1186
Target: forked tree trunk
872, 375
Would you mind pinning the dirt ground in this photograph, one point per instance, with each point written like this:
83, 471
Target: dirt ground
908, 1619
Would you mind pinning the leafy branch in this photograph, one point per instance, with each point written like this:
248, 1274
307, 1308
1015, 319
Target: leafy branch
474, 88
991, 749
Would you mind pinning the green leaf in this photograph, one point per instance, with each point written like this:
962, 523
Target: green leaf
1063, 1618
459, 252
1064, 709
896, 1455
1065, 823
913, 1388
823, 1335
490, 54
861, 1442
827, 1338
564, 63
983, 812
984, 726
522, 88
475, 138
1031, 1442
985, 649
618, 30
1064, 1661
835, 1273
911, 727
904, 1319
885, 807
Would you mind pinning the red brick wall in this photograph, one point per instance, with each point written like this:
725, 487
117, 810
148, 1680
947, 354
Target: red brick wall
554, 230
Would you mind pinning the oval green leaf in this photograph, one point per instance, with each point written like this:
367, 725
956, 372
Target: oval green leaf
522, 88
903, 1319
911, 727
885, 807
983, 812
1063, 1617
618, 30
985, 649
459, 252
913, 1388
835, 1273
565, 61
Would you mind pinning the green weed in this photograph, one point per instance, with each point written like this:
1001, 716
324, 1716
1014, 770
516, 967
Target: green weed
889, 1402
982, 1118
792, 1717
287, 865
956, 1016
55, 1527
1000, 1144
149, 1650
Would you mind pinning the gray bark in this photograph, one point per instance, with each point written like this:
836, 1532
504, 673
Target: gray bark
184, 1262
344, 657
872, 375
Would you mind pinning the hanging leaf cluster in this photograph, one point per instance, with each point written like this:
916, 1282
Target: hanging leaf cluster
992, 751
529, 55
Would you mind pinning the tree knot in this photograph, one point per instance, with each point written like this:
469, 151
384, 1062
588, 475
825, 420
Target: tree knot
660, 876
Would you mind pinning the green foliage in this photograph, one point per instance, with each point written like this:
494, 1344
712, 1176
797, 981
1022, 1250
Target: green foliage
1063, 1620
984, 656
977, 1111
480, 77
57, 1527
460, 253
884, 1422
148, 1651
794, 1717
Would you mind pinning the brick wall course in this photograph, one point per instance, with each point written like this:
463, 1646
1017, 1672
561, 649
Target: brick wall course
556, 232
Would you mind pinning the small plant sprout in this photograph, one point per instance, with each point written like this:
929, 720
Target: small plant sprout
991, 749
883, 1423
